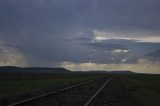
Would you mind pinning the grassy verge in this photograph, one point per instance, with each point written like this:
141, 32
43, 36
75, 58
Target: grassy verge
17, 83
145, 89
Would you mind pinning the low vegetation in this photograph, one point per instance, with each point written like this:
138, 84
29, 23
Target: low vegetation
145, 89
17, 85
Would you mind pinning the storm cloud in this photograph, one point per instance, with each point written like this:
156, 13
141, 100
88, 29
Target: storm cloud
50, 32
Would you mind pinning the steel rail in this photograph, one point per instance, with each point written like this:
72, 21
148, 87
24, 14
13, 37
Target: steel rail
50, 93
96, 94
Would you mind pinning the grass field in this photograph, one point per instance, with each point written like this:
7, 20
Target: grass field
11, 84
145, 89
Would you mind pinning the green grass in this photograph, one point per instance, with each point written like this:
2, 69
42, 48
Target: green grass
13, 84
145, 89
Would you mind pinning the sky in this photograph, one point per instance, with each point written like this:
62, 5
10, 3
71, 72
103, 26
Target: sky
81, 35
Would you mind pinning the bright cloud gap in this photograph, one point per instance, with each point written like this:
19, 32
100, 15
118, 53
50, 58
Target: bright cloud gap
101, 36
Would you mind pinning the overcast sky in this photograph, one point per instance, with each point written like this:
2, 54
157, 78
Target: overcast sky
81, 34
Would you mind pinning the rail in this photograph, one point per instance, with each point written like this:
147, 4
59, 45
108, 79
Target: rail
50, 93
96, 94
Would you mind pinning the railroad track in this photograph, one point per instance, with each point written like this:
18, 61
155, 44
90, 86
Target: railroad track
97, 92
112, 94
82, 94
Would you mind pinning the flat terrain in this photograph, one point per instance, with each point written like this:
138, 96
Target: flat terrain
139, 89
11, 84
145, 89
112, 94
18, 85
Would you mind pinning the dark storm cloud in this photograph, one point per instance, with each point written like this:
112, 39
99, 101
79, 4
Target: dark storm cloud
139, 48
107, 47
100, 14
115, 51
62, 30
154, 56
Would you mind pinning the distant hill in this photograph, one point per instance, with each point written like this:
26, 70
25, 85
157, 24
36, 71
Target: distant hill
34, 69
112, 72
122, 72
97, 71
